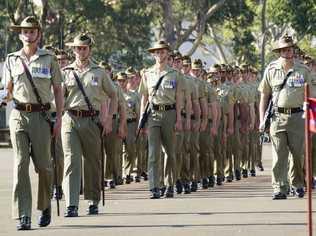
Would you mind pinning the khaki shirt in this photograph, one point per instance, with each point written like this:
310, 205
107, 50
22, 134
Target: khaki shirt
133, 105
211, 97
166, 93
292, 94
45, 72
121, 104
96, 83
225, 97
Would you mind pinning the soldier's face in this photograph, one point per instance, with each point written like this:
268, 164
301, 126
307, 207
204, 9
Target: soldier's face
161, 55
287, 53
29, 36
82, 53
186, 68
196, 72
63, 61
177, 64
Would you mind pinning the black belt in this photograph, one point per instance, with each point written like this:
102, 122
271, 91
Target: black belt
163, 107
83, 113
131, 120
32, 107
289, 111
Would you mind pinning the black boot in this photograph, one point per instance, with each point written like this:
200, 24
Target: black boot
162, 191
137, 179
253, 173
45, 217
194, 186
219, 180
24, 223
72, 211
93, 210
155, 193
187, 189
211, 181
179, 187
170, 192
244, 173
204, 183
237, 175
112, 184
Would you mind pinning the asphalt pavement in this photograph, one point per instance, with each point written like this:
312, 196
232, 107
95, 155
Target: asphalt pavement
238, 208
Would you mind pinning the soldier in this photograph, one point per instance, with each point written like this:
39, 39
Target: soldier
63, 61
165, 116
85, 86
196, 96
28, 77
132, 116
132, 86
113, 141
196, 73
287, 124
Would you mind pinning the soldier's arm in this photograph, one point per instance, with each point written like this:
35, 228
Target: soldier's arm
230, 122
7, 81
252, 115
264, 98
213, 110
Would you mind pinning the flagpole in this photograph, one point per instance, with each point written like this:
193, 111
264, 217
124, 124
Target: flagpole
308, 162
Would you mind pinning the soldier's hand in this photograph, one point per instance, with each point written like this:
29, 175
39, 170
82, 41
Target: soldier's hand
178, 126
213, 131
230, 131
144, 131
122, 132
261, 127
203, 125
57, 127
196, 126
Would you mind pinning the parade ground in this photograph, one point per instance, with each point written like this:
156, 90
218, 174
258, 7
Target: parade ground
238, 208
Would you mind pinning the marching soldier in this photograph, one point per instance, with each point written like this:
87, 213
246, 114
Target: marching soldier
85, 86
132, 116
63, 61
165, 116
113, 141
287, 124
28, 77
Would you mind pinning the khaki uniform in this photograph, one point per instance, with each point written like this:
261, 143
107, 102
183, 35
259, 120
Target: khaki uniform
81, 135
193, 90
195, 171
112, 143
226, 99
206, 142
30, 129
287, 130
132, 114
161, 122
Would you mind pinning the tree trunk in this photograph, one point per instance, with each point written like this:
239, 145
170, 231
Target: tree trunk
168, 25
264, 36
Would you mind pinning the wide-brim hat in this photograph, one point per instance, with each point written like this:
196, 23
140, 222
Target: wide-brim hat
81, 40
161, 44
197, 64
29, 22
285, 41
214, 69
130, 71
186, 60
121, 76
105, 65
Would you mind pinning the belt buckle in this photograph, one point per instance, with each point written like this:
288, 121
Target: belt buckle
28, 107
162, 108
79, 113
287, 111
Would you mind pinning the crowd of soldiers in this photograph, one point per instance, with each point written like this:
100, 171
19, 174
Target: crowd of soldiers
202, 129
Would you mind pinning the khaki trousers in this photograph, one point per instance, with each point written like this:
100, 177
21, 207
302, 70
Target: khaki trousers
81, 138
30, 137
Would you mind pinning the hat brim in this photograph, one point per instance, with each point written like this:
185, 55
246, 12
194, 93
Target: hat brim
157, 48
17, 28
277, 49
72, 44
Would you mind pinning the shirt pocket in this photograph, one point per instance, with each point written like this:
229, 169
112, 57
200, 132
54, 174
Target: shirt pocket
276, 85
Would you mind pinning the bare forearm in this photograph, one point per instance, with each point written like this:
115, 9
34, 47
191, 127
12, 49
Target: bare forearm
263, 105
59, 100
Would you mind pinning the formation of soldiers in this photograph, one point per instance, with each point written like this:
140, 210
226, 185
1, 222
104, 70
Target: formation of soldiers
201, 129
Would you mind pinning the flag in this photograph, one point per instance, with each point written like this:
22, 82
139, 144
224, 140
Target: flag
312, 114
